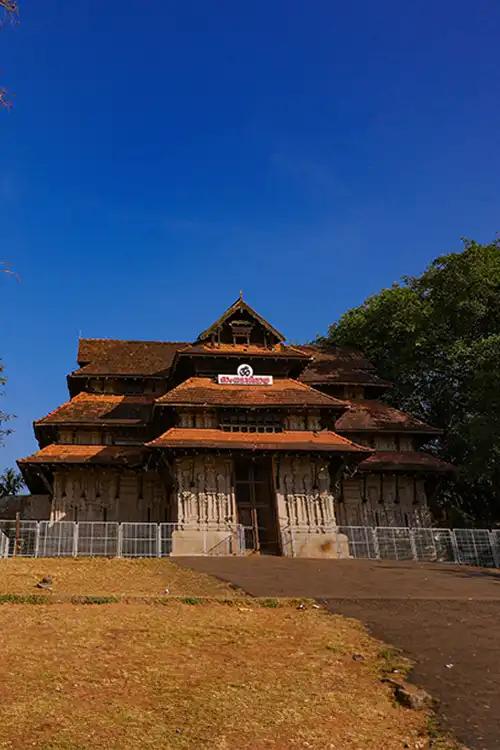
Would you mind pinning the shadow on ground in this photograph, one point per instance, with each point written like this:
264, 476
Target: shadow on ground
447, 618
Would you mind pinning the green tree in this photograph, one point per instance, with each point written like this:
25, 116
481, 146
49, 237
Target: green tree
437, 337
11, 482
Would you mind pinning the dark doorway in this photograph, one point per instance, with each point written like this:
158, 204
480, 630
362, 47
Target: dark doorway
255, 501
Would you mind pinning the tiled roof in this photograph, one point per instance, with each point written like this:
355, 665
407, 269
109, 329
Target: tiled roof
339, 365
299, 440
283, 392
377, 416
91, 408
86, 454
404, 461
116, 357
239, 350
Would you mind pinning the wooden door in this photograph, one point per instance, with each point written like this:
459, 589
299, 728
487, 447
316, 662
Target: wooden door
256, 505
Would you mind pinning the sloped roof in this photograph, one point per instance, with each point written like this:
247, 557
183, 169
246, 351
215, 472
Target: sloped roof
283, 392
240, 306
376, 416
299, 440
92, 408
118, 357
339, 365
404, 461
239, 350
86, 454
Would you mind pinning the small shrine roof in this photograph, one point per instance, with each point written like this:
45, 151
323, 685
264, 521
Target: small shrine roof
240, 306
198, 391
376, 416
299, 440
404, 461
93, 408
86, 454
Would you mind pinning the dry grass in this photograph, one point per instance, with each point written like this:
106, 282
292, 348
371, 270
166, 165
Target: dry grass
182, 677
104, 577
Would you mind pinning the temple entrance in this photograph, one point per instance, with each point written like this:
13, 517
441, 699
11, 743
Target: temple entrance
256, 505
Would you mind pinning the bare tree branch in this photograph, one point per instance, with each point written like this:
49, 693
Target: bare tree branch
4, 100
9, 6
5, 267
9, 11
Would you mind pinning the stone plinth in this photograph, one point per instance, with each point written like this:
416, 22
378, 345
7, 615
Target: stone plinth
204, 542
320, 545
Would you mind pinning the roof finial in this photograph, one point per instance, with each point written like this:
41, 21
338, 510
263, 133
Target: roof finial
241, 294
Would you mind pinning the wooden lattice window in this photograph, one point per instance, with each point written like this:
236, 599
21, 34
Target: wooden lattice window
242, 421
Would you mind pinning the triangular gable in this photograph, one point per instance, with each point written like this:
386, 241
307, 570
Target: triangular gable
242, 309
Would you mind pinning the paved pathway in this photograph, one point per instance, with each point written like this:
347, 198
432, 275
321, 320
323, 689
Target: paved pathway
439, 614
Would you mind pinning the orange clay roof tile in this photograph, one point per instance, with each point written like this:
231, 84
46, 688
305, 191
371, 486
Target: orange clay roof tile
85, 454
283, 392
299, 440
91, 408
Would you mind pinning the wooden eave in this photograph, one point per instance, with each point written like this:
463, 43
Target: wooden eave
394, 462
324, 441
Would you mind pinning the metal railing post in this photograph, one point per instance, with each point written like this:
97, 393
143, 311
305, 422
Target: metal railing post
494, 550
376, 546
119, 540
413, 546
474, 545
454, 546
37, 539
367, 544
158, 540
75, 539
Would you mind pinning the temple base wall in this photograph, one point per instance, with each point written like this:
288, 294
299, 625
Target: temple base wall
107, 495
383, 500
187, 542
329, 545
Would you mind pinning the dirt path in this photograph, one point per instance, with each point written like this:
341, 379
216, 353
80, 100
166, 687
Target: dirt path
440, 615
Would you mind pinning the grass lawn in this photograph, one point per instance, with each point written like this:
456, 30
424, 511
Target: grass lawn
188, 674
105, 576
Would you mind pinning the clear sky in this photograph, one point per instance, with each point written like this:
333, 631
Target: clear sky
162, 155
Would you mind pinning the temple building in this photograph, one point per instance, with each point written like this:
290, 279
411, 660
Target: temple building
235, 429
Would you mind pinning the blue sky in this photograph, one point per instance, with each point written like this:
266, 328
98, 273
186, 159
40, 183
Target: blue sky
161, 156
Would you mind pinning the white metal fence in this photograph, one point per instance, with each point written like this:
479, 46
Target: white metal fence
479, 547
109, 539
4, 544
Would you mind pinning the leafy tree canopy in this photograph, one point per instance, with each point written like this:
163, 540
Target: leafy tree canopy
437, 337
